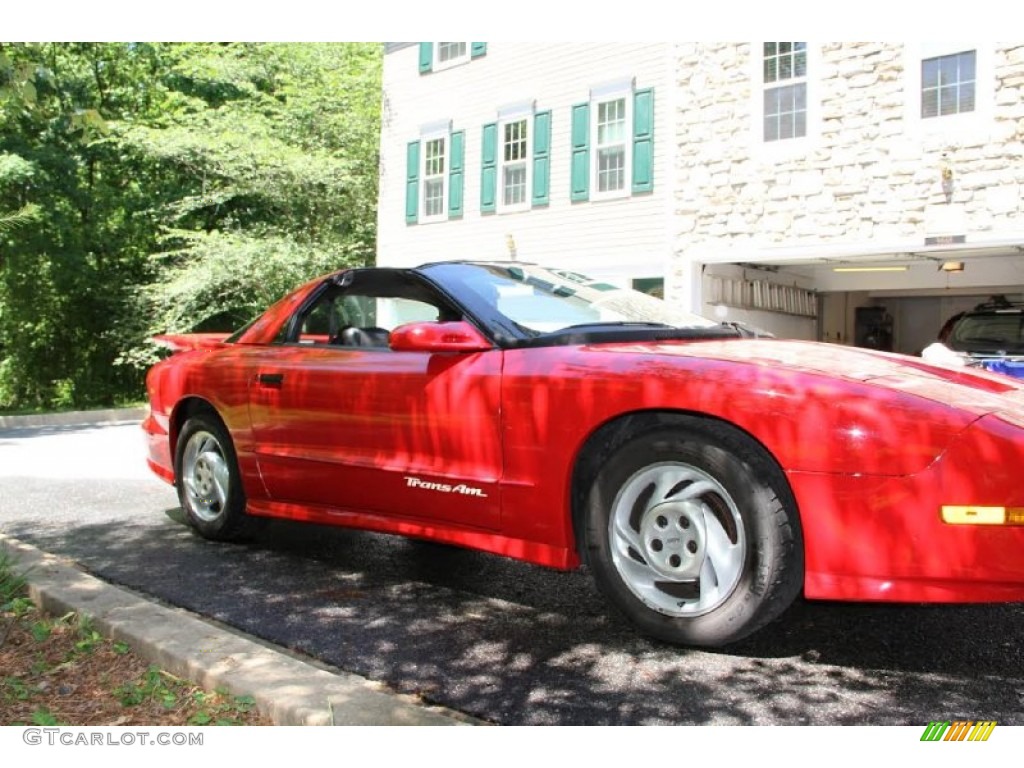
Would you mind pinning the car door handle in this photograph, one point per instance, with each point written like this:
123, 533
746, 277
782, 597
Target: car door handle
271, 379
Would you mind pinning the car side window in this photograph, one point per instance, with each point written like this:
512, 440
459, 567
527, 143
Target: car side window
321, 322
347, 317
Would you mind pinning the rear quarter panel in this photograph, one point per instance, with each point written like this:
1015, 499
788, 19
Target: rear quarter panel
218, 378
218, 375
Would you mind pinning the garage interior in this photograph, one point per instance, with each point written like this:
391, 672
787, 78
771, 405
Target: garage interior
895, 301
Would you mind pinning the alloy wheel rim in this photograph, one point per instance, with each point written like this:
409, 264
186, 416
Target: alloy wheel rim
205, 476
677, 539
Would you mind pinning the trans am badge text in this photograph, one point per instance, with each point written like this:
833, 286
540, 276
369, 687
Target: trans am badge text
465, 490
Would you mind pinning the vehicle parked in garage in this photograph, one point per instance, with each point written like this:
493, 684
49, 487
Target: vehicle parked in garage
705, 476
991, 336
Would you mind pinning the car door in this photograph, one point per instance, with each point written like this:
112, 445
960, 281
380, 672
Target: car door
342, 421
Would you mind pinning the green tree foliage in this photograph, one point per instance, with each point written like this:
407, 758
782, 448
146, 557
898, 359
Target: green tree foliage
169, 187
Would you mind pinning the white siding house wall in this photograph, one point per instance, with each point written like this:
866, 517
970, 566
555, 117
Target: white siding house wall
616, 239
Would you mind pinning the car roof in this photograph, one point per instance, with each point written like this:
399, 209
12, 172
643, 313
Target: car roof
478, 263
997, 304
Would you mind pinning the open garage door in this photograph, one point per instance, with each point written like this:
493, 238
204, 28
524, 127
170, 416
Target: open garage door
893, 299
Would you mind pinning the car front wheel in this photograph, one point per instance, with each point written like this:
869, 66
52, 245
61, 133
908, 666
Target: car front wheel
692, 533
208, 480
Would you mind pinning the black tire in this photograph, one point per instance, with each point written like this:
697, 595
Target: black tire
692, 532
208, 481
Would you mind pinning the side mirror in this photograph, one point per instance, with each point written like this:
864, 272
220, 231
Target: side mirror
457, 336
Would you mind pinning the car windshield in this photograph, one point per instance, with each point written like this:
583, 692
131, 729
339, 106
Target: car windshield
991, 331
541, 301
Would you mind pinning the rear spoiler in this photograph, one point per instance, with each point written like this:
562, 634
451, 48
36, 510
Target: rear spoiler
183, 342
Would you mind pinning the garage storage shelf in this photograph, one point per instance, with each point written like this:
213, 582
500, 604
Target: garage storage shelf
763, 295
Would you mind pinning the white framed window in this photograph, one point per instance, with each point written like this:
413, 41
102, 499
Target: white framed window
450, 54
434, 192
784, 79
784, 98
949, 87
611, 139
948, 84
514, 162
515, 159
611, 145
612, 142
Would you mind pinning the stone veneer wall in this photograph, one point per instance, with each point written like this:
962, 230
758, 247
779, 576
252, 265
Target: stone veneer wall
869, 176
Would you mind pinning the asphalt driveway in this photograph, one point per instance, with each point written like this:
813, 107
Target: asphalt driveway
497, 639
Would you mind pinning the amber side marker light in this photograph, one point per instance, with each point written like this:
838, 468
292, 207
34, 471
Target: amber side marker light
983, 515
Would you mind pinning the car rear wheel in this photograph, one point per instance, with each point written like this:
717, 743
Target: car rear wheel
692, 533
207, 479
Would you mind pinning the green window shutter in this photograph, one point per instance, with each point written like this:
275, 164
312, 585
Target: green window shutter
426, 57
455, 167
643, 140
477, 49
489, 169
412, 182
541, 157
580, 152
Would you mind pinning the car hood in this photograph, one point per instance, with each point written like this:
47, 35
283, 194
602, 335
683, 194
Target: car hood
968, 388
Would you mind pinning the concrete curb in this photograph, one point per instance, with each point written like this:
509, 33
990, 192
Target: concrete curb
290, 691
73, 418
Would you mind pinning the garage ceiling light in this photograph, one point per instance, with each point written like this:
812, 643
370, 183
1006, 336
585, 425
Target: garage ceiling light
869, 269
952, 266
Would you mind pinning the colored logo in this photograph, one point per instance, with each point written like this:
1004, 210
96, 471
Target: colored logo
960, 730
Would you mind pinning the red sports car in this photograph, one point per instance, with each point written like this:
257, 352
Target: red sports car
706, 476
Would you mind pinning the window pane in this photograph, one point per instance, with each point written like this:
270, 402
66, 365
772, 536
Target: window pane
967, 97
929, 73
514, 185
611, 133
611, 121
785, 67
433, 177
948, 84
610, 157
512, 174
611, 165
785, 112
930, 103
800, 124
947, 100
620, 110
449, 51
784, 61
967, 66
434, 157
433, 197
514, 141
786, 125
948, 66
